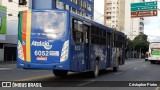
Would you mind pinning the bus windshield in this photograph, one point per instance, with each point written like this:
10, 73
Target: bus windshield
50, 23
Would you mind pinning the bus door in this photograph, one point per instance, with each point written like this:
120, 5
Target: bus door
87, 28
109, 46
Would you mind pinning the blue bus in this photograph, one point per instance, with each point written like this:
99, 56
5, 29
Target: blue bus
63, 41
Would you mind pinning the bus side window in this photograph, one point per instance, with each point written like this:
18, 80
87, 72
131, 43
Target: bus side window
74, 24
86, 34
113, 39
77, 27
80, 26
103, 37
108, 39
95, 35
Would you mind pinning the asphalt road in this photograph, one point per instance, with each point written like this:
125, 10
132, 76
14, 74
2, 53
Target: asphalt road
133, 70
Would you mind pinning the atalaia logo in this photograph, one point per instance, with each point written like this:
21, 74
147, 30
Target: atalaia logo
45, 44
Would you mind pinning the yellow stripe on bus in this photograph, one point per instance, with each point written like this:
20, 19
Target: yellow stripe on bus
28, 37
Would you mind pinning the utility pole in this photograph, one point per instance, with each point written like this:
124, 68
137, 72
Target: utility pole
140, 53
133, 52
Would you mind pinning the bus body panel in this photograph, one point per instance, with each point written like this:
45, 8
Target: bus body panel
77, 58
98, 53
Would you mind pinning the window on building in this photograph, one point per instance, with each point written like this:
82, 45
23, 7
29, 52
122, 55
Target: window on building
84, 5
75, 1
59, 5
78, 12
84, 14
10, 14
67, 7
141, 23
81, 13
74, 10
91, 0
141, 28
109, 12
10, 0
89, 7
79, 2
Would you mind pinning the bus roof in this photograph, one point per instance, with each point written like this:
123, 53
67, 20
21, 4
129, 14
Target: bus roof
84, 19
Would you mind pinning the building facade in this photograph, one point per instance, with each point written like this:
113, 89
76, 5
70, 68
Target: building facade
111, 13
133, 26
81, 7
8, 39
117, 15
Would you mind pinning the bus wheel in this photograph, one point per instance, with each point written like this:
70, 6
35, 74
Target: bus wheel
60, 73
115, 69
96, 69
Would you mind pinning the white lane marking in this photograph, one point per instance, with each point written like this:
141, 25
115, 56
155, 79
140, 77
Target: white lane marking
5, 68
118, 73
157, 88
143, 65
135, 68
86, 83
133, 62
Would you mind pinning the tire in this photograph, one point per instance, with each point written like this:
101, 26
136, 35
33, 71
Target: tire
96, 69
115, 69
60, 73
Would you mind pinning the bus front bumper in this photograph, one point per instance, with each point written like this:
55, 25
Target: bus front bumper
51, 66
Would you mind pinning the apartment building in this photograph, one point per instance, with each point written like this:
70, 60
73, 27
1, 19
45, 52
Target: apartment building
8, 38
117, 15
111, 13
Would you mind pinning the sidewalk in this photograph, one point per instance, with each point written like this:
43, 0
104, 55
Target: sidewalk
8, 64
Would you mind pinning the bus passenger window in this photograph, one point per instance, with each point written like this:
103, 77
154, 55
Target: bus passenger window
77, 27
78, 36
86, 29
80, 26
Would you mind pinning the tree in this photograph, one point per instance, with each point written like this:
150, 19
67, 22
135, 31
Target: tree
140, 43
129, 44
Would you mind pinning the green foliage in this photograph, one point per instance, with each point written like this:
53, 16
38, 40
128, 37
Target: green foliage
139, 43
129, 44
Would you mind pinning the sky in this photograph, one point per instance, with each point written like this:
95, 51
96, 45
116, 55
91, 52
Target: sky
151, 24
99, 11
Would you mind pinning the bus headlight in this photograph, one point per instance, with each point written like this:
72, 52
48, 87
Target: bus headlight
20, 51
65, 50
